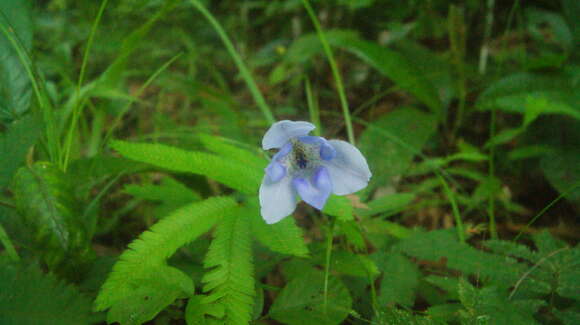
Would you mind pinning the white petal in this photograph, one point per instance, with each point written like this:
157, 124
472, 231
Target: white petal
349, 170
278, 200
282, 131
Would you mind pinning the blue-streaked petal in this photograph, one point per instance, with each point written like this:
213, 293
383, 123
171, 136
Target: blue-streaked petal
275, 171
283, 152
327, 151
277, 199
349, 170
282, 131
316, 190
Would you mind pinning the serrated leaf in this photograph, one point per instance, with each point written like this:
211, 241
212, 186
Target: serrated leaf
282, 237
46, 202
562, 169
155, 246
27, 296
354, 264
442, 245
230, 282
17, 140
400, 279
339, 207
396, 67
391, 142
237, 176
301, 302
159, 287
569, 275
15, 89
227, 149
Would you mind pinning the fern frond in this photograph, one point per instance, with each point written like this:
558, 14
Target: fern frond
27, 296
282, 237
154, 246
226, 171
224, 148
231, 280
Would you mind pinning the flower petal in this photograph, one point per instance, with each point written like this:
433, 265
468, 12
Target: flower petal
277, 199
282, 131
316, 190
349, 170
275, 171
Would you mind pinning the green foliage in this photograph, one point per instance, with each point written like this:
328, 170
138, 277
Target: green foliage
220, 169
230, 280
282, 237
15, 90
46, 202
19, 137
391, 142
27, 296
302, 301
151, 250
170, 194
400, 280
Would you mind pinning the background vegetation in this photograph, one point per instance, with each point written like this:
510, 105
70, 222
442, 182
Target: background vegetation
130, 161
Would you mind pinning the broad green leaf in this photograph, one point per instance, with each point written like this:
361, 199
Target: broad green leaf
283, 237
400, 279
234, 175
301, 302
391, 142
15, 143
45, 200
304, 48
158, 288
354, 264
230, 280
15, 89
532, 95
155, 246
396, 67
27, 296
562, 169
388, 204
339, 207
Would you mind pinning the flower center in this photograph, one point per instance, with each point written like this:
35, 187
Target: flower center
304, 156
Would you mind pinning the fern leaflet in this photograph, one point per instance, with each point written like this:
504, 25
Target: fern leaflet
231, 280
228, 172
154, 246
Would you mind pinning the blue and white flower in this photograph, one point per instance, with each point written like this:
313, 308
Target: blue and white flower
307, 166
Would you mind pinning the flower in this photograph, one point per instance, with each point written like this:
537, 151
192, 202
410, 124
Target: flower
309, 166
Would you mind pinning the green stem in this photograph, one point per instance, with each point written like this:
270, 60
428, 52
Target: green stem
328, 255
546, 208
455, 208
78, 108
313, 109
8, 245
335, 71
491, 175
244, 71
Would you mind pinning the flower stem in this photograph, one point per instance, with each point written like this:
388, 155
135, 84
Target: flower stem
335, 72
244, 71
